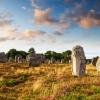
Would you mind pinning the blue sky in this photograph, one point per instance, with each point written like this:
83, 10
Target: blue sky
50, 25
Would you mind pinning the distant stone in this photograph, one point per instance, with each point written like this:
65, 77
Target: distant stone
96, 62
43, 58
49, 61
35, 59
62, 61
10, 59
18, 59
52, 60
78, 61
57, 61
3, 57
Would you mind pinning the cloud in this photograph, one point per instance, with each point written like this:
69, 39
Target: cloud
85, 19
58, 33
3, 39
86, 23
10, 31
76, 14
30, 34
43, 17
7, 28
49, 39
5, 19
97, 22
23, 7
34, 4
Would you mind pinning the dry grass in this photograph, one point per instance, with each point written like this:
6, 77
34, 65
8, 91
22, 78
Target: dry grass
47, 82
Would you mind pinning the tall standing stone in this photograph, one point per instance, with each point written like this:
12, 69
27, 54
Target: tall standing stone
78, 61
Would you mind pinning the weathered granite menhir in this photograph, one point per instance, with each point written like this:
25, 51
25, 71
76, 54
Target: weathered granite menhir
78, 61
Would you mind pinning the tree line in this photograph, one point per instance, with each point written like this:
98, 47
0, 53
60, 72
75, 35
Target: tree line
66, 55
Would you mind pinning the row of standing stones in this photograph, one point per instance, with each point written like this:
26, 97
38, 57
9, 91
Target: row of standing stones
78, 60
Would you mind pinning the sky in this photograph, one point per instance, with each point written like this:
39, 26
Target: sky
56, 25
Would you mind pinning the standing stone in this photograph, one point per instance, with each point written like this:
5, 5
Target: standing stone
31, 59
43, 58
49, 61
62, 61
10, 59
34, 59
3, 57
96, 62
78, 61
18, 58
69, 61
52, 60
57, 62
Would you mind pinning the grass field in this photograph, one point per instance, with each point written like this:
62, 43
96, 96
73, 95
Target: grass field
47, 82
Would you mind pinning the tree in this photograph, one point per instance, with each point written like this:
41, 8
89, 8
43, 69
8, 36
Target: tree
22, 53
67, 55
48, 54
58, 56
12, 53
31, 50
55, 55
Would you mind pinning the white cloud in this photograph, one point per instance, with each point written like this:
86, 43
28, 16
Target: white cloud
24, 7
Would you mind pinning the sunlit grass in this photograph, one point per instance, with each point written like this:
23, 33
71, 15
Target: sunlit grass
47, 82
